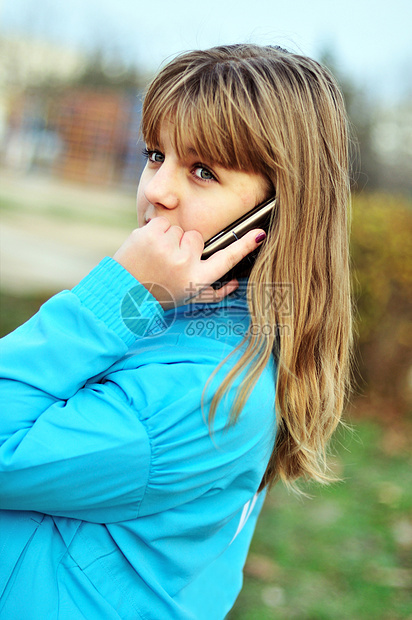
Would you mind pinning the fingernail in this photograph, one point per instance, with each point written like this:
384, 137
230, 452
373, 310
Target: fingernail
261, 236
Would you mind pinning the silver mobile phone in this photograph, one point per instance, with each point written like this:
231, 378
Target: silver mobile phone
258, 217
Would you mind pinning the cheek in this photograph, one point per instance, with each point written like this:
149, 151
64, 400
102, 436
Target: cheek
141, 201
139, 208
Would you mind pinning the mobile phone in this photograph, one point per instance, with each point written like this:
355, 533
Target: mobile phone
258, 217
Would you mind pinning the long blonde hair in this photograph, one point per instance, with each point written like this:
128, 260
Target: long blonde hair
265, 110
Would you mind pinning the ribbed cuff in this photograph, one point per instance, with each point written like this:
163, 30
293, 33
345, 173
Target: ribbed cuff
119, 300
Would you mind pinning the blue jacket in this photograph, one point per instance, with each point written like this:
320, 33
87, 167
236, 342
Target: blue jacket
116, 498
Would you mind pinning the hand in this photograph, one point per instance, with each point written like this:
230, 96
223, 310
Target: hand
159, 254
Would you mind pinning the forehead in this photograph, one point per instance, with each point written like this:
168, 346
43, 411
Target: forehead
218, 130
191, 124
181, 141
187, 139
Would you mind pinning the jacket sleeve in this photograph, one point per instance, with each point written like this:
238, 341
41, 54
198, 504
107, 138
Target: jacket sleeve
70, 445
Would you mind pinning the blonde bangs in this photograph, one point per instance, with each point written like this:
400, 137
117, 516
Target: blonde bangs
207, 113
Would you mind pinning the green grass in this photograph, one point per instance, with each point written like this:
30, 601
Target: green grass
344, 554
15, 310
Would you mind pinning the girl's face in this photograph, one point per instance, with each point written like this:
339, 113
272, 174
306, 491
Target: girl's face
193, 194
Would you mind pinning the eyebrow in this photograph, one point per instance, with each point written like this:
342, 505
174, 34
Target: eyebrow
192, 151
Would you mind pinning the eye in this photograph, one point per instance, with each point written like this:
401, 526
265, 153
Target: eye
153, 156
203, 173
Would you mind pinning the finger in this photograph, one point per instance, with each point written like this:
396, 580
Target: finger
226, 289
176, 232
192, 241
226, 259
158, 224
209, 295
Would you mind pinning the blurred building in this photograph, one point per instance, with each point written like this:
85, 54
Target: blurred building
49, 124
26, 62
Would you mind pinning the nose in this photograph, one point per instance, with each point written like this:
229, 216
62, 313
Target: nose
162, 190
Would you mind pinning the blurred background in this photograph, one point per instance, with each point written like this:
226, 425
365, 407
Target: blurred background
72, 77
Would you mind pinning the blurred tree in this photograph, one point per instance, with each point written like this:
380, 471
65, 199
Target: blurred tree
393, 139
382, 279
103, 69
365, 164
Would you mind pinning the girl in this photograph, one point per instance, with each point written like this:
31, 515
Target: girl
138, 439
